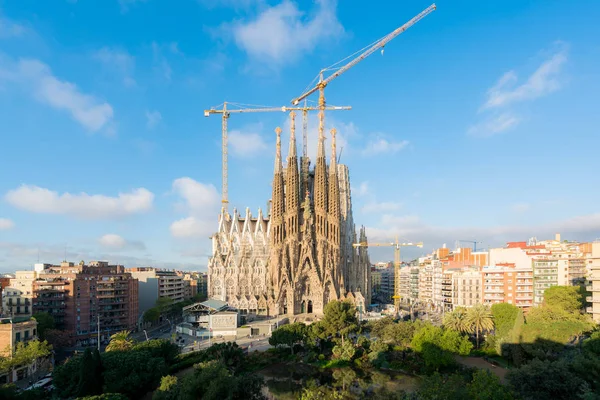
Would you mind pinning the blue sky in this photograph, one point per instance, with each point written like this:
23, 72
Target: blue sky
480, 122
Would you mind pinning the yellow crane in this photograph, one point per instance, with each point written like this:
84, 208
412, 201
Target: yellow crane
396, 244
379, 44
225, 112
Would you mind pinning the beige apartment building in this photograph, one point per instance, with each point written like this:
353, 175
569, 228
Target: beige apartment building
467, 287
155, 283
17, 297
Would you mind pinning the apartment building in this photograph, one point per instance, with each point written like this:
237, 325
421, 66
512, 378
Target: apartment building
447, 289
16, 330
504, 283
17, 296
404, 283
375, 282
155, 283
425, 293
593, 287
467, 287
13, 331
545, 275
87, 299
387, 283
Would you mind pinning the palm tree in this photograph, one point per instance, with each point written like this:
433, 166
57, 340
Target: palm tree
479, 319
456, 320
120, 341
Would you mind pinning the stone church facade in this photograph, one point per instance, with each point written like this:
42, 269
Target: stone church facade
301, 255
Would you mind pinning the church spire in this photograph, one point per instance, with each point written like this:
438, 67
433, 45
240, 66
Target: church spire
278, 201
333, 210
292, 182
320, 190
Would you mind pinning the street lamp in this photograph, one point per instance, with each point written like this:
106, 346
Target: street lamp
146, 333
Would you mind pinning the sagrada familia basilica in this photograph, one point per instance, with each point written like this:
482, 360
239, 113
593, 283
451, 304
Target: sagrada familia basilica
301, 255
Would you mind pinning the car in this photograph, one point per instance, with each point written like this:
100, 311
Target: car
41, 384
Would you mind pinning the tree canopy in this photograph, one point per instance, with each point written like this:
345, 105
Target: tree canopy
289, 335
120, 341
339, 318
45, 322
567, 299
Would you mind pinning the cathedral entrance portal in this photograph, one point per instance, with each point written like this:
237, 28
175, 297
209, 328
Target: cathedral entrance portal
310, 307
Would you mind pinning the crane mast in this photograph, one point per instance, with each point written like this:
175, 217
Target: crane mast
396, 245
226, 112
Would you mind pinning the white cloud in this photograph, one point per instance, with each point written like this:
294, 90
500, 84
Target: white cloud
153, 118
545, 80
380, 145
40, 200
362, 190
412, 228
246, 143
86, 109
6, 224
494, 125
201, 202
120, 61
160, 62
26, 253
520, 207
282, 33
380, 207
113, 241
10, 29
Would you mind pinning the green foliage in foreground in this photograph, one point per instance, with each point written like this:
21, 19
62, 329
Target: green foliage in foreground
211, 381
131, 372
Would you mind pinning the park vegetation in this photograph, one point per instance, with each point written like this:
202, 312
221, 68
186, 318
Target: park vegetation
551, 352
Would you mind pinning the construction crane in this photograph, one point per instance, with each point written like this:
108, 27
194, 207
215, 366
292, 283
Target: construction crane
396, 244
475, 243
379, 44
225, 112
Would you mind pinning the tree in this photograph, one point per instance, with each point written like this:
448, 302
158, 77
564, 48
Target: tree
213, 381
487, 386
545, 380
120, 341
437, 345
479, 319
58, 339
132, 373
26, 354
505, 316
45, 322
151, 315
289, 335
162, 348
456, 320
564, 299
339, 318
90, 374
345, 351
168, 389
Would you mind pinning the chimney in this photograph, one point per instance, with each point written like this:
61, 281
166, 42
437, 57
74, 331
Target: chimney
557, 237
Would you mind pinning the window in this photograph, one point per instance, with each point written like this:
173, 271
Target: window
18, 337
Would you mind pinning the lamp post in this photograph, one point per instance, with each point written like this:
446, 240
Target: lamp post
146, 333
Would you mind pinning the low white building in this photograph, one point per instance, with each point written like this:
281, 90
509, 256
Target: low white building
210, 318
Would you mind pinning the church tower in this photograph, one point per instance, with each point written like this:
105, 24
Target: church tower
278, 269
292, 204
334, 265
